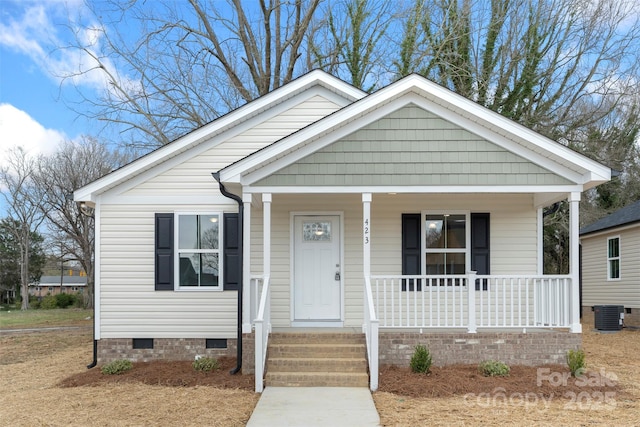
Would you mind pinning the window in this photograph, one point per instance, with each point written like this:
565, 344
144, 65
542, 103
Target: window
198, 248
613, 258
445, 244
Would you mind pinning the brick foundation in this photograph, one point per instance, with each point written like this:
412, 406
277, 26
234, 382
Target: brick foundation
110, 349
395, 348
447, 348
248, 353
631, 320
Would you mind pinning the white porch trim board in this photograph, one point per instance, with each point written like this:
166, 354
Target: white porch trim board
246, 266
574, 262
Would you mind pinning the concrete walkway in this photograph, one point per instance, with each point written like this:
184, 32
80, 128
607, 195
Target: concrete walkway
315, 406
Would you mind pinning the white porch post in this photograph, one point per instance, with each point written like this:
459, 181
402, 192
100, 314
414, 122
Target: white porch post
574, 262
246, 264
266, 234
366, 233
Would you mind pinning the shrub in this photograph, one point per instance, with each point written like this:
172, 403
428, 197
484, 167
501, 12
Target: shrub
421, 360
49, 302
79, 300
34, 302
206, 364
116, 367
575, 361
493, 368
64, 300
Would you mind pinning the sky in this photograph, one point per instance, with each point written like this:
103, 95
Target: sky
33, 111
36, 104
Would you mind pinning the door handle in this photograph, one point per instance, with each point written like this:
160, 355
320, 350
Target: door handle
337, 275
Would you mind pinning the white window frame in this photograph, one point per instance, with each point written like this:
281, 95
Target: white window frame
618, 258
467, 231
219, 251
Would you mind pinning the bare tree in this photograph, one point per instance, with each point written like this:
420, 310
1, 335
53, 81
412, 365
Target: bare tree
72, 166
553, 65
347, 43
193, 62
22, 197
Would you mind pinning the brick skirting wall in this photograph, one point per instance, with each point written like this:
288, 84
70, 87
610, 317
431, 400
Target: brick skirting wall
248, 353
448, 348
395, 348
110, 349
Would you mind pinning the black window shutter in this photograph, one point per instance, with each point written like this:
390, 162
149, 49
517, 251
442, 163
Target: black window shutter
231, 252
164, 252
480, 249
411, 257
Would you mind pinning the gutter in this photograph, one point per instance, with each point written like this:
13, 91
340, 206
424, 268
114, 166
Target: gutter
223, 190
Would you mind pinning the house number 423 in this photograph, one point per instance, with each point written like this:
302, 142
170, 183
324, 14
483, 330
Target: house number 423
366, 231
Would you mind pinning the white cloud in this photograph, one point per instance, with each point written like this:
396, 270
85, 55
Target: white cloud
45, 31
18, 128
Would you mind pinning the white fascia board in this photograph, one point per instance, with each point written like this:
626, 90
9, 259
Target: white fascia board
553, 190
316, 77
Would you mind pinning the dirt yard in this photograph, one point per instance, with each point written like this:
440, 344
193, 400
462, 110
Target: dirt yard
44, 381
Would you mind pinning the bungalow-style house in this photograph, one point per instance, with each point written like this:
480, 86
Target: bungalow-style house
53, 285
611, 264
319, 212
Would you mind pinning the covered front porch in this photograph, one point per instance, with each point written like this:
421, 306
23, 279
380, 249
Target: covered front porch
389, 306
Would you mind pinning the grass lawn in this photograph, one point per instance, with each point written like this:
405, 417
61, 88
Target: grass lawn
16, 318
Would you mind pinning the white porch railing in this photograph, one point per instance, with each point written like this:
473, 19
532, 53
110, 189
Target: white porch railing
371, 334
493, 301
262, 323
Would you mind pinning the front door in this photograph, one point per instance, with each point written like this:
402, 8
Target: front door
317, 275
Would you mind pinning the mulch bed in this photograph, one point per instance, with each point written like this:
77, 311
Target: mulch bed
459, 380
167, 373
441, 382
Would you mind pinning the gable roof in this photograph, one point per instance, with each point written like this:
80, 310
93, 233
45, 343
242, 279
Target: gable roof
440, 101
627, 215
313, 79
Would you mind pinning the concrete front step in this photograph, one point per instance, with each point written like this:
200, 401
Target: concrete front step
316, 338
315, 364
317, 359
291, 350
317, 379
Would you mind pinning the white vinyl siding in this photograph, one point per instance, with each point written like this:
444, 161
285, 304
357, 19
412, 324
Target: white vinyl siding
596, 288
194, 175
513, 238
130, 305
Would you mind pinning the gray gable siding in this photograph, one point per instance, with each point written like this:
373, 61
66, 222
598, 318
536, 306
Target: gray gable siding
412, 146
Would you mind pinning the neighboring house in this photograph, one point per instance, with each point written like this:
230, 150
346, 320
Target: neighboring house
358, 213
611, 263
53, 285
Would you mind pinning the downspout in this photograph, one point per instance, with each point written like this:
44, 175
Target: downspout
94, 362
223, 190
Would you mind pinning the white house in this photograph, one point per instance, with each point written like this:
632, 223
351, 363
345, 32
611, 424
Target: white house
410, 215
610, 263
